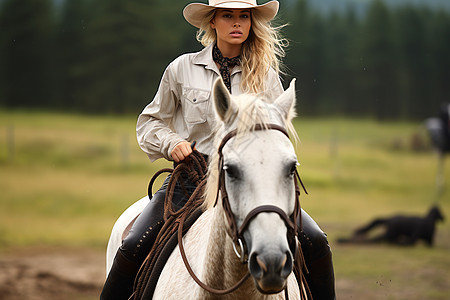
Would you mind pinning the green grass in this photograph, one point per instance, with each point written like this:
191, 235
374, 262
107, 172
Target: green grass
64, 179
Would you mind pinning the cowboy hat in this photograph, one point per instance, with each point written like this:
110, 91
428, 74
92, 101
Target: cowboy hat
194, 13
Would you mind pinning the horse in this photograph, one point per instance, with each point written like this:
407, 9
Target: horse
256, 162
400, 229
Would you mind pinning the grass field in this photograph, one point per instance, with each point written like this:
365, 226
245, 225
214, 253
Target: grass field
65, 178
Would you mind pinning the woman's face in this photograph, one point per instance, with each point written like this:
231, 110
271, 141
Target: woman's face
232, 26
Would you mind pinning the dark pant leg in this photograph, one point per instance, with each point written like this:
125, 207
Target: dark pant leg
129, 257
136, 246
318, 259
145, 229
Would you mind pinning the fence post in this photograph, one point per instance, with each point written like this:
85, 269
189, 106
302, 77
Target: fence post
10, 142
125, 151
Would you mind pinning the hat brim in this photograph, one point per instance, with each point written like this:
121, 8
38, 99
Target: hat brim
195, 13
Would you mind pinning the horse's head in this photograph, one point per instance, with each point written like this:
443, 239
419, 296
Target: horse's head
258, 171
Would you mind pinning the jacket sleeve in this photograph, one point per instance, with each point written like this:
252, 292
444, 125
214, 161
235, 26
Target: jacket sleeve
154, 128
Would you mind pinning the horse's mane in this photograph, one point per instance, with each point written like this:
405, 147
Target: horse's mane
250, 112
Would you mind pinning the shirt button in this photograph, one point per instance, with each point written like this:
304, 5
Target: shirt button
195, 100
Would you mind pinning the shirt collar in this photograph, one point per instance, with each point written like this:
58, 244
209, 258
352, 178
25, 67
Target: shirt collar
205, 58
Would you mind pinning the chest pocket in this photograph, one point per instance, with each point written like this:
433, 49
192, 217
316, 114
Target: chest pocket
195, 105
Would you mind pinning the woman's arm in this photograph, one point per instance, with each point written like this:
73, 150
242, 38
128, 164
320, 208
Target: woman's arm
155, 133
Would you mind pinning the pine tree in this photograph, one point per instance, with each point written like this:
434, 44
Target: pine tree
71, 39
27, 48
379, 81
440, 60
305, 56
413, 58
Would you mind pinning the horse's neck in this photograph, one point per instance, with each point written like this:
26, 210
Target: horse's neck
222, 268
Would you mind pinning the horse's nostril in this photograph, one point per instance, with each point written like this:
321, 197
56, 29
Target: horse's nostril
287, 265
261, 264
283, 262
257, 266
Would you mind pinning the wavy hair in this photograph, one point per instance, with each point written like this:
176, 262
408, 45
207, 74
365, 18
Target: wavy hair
263, 49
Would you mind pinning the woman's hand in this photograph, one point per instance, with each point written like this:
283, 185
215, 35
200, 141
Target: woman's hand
181, 151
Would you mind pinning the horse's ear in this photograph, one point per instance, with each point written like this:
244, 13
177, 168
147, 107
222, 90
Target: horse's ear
222, 101
286, 102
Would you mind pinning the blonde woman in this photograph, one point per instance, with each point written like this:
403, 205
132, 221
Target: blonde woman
244, 49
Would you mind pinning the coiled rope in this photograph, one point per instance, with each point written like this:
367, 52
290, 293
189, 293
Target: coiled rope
194, 169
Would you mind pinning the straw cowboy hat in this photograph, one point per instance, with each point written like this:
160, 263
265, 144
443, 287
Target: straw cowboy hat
195, 13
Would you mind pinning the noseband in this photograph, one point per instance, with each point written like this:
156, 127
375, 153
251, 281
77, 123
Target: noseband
237, 233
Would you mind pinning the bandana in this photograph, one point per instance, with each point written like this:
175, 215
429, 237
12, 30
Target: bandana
225, 65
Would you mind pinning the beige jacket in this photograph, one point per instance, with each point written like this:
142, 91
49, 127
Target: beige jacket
182, 109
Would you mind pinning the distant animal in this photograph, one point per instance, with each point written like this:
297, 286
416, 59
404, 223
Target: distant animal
439, 131
400, 229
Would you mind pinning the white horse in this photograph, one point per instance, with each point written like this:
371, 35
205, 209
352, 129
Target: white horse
259, 170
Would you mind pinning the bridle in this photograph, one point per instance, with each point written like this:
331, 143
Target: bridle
236, 233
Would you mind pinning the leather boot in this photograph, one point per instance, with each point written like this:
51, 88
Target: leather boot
321, 278
119, 284
318, 257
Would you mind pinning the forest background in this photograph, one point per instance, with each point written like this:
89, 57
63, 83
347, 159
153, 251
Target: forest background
380, 59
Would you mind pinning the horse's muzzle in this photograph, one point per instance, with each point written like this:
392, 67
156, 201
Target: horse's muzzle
270, 271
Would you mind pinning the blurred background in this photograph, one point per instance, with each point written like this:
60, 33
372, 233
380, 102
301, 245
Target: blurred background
384, 59
74, 75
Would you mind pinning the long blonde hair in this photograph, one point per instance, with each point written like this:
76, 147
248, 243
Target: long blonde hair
263, 49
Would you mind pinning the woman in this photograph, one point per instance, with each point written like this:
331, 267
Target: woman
242, 48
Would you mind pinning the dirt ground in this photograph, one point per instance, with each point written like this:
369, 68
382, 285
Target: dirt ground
51, 274
78, 274
56, 274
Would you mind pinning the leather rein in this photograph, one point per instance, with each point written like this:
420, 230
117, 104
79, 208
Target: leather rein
236, 233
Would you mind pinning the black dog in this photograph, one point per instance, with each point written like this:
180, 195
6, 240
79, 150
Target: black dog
401, 230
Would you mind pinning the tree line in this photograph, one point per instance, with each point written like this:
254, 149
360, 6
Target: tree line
107, 56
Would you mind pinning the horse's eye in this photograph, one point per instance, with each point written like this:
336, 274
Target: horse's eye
232, 171
293, 168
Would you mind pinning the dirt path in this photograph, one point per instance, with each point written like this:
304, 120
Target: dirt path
51, 274
79, 274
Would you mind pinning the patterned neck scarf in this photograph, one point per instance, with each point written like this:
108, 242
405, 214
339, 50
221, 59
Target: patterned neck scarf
225, 65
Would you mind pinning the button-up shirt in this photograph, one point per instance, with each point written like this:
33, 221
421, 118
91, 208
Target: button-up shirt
182, 108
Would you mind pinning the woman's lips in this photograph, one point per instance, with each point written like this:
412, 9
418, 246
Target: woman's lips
236, 33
